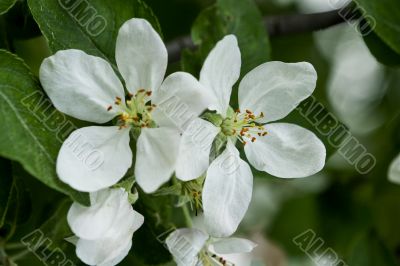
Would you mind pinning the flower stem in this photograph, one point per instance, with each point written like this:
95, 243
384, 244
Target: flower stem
14, 245
186, 214
20, 255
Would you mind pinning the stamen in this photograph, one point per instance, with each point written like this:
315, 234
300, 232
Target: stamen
137, 110
243, 125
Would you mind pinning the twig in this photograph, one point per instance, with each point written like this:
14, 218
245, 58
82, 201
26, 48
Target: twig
277, 26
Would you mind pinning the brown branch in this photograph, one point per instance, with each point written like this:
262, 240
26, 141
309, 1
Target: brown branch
279, 26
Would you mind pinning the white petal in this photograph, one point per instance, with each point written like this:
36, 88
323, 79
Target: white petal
97, 252
227, 192
394, 170
276, 88
185, 244
116, 242
220, 72
194, 150
157, 150
141, 55
287, 151
122, 253
93, 158
81, 85
94, 221
233, 245
180, 99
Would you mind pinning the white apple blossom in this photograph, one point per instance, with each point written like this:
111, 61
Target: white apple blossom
266, 94
105, 229
86, 87
394, 170
193, 247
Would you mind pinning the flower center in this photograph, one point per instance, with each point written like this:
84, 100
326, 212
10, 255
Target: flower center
209, 259
243, 126
136, 112
192, 190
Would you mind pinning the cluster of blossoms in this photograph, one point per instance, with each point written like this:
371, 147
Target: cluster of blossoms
197, 145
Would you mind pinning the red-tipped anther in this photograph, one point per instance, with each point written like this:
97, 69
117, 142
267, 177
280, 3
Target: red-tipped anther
109, 108
265, 133
130, 95
253, 139
141, 90
148, 93
248, 111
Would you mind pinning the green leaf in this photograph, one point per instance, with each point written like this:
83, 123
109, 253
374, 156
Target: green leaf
382, 52
6, 183
369, 250
48, 242
241, 18
15, 208
91, 26
386, 15
5, 5
33, 128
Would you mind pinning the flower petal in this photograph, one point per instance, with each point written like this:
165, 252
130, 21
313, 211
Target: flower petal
233, 245
94, 221
185, 244
81, 85
98, 252
227, 192
115, 245
93, 158
276, 88
180, 99
157, 150
394, 170
194, 150
116, 242
288, 151
122, 253
141, 55
220, 72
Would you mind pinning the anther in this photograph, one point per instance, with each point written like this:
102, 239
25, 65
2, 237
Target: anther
109, 108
